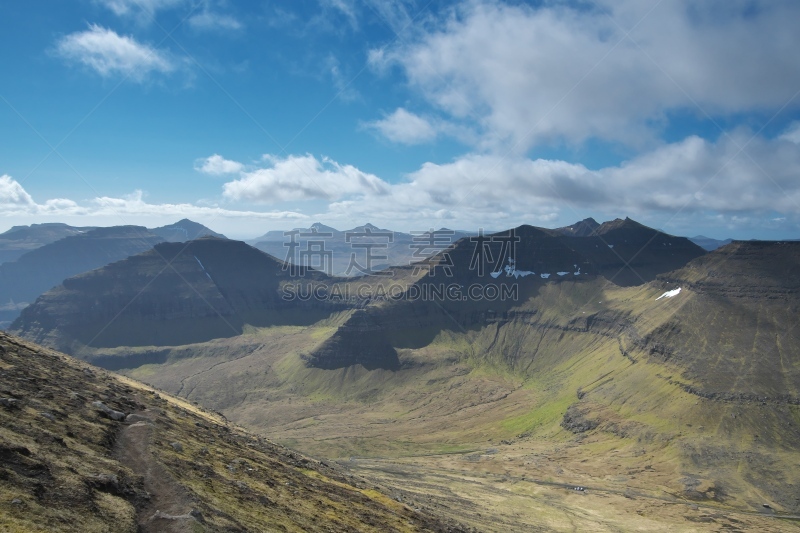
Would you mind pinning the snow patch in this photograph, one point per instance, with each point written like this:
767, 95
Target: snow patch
545, 276
670, 294
562, 273
610, 245
202, 267
511, 271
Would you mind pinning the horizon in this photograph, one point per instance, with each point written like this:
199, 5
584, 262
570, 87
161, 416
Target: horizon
282, 113
247, 238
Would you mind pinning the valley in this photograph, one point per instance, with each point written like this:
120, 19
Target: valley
590, 401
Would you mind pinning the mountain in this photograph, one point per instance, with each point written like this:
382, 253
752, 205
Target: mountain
583, 228
184, 230
709, 244
358, 251
175, 293
674, 400
22, 239
21, 281
86, 450
674, 403
215, 289
629, 253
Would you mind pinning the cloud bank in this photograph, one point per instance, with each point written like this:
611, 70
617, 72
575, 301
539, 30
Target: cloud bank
604, 70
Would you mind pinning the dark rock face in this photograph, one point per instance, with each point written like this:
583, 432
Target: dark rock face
623, 251
576, 420
628, 253
360, 341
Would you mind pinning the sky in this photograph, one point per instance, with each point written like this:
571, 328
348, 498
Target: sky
251, 116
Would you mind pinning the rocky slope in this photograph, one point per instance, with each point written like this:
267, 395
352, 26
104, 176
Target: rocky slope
84, 450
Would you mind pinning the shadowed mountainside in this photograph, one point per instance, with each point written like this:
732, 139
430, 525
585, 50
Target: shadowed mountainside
174, 294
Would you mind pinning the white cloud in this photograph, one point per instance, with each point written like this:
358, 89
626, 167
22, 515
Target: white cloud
12, 195
16, 202
126, 7
792, 133
405, 127
529, 75
303, 178
109, 53
208, 20
216, 165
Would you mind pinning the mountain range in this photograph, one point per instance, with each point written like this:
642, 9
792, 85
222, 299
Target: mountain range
604, 377
345, 253
77, 250
212, 287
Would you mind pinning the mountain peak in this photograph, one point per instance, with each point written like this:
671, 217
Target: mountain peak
582, 228
618, 224
185, 230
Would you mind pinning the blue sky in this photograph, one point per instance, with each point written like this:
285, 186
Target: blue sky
251, 116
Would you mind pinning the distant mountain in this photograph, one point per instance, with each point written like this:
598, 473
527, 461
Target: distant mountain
21, 281
184, 230
211, 289
709, 244
354, 252
20, 240
583, 228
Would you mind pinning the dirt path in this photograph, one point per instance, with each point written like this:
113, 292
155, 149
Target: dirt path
169, 507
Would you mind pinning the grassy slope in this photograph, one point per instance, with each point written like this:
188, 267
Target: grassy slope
51, 475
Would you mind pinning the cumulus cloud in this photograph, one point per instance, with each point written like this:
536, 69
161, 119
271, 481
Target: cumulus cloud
404, 127
607, 70
109, 54
303, 178
216, 165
